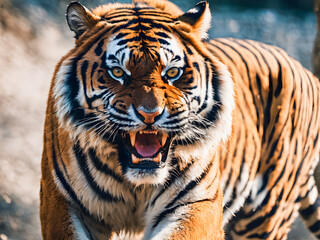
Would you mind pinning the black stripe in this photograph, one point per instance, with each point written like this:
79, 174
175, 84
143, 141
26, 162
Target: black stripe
264, 235
300, 198
162, 41
121, 119
176, 114
82, 162
65, 184
190, 186
315, 227
270, 97
173, 176
102, 81
162, 34
160, 26
121, 35
204, 105
306, 213
260, 220
129, 12
191, 80
152, 39
152, 21
234, 191
196, 66
84, 68
115, 21
167, 212
103, 167
296, 175
279, 86
286, 219
73, 85
86, 227
124, 26
125, 41
93, 69
99, 48
141, 27
62, 180
247, 68
258, 80
189, 51
187, 141
175, 121
189, 88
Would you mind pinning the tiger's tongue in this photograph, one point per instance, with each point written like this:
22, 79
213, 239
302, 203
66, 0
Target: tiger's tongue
147, 144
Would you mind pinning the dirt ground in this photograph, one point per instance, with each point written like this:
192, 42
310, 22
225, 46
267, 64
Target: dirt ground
28, 54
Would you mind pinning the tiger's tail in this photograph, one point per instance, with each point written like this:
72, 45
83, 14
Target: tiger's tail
310, 208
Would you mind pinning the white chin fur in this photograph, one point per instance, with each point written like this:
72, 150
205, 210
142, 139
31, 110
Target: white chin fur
142, 177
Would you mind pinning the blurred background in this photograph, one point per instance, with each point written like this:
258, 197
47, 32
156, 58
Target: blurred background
34, 36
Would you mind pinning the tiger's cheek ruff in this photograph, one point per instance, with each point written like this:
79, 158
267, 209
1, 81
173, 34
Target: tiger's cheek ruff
221, 128
60, 91
69, 101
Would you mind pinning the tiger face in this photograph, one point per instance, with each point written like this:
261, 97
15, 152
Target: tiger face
139, 80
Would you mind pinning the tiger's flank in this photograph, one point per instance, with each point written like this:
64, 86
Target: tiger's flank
153, 131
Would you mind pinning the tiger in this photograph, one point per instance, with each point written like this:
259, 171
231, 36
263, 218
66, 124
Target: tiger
153, 131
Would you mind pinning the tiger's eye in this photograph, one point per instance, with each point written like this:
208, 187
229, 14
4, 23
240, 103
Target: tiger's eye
173, 72
117, 72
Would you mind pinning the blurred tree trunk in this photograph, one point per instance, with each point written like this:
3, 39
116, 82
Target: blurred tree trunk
316, 65
316, 47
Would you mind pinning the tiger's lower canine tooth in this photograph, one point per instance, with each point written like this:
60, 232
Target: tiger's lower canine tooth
132, 138
135, 160
157, 159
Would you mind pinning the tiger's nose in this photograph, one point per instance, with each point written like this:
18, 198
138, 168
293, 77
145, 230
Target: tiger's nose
150, 115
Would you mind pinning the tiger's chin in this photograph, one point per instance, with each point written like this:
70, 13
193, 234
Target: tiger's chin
143, 156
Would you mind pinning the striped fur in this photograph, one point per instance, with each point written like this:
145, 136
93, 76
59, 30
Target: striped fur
267, 171
254, 138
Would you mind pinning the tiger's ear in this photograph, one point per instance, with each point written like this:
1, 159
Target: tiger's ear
199, 18
79, 18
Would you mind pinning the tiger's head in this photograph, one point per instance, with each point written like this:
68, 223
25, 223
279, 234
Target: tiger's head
141, 79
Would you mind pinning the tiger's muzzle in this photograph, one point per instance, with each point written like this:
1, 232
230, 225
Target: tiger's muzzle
147, 148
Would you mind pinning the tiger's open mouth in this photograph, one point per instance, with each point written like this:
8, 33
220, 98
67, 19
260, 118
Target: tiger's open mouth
146, 149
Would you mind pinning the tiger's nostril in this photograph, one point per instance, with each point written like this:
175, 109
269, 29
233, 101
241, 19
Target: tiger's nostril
150, 115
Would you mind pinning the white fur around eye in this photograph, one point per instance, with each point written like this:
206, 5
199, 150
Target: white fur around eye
168, 55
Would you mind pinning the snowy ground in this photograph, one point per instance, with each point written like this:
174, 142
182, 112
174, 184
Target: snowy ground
28, 54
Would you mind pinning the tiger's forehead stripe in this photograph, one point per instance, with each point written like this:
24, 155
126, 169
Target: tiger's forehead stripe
140, 21
138, 29
129, 13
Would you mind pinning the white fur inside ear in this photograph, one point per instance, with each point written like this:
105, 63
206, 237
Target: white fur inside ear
80, 18
199, 18
204, 23
193, 10
76, 19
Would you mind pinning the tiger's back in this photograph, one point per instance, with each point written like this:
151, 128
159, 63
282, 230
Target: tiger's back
268, 163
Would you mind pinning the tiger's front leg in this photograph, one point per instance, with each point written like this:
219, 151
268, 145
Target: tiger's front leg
56, 222
194, 221
60, 221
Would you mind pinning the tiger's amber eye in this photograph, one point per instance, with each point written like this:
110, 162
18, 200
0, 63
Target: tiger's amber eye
173, 72
117, 72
